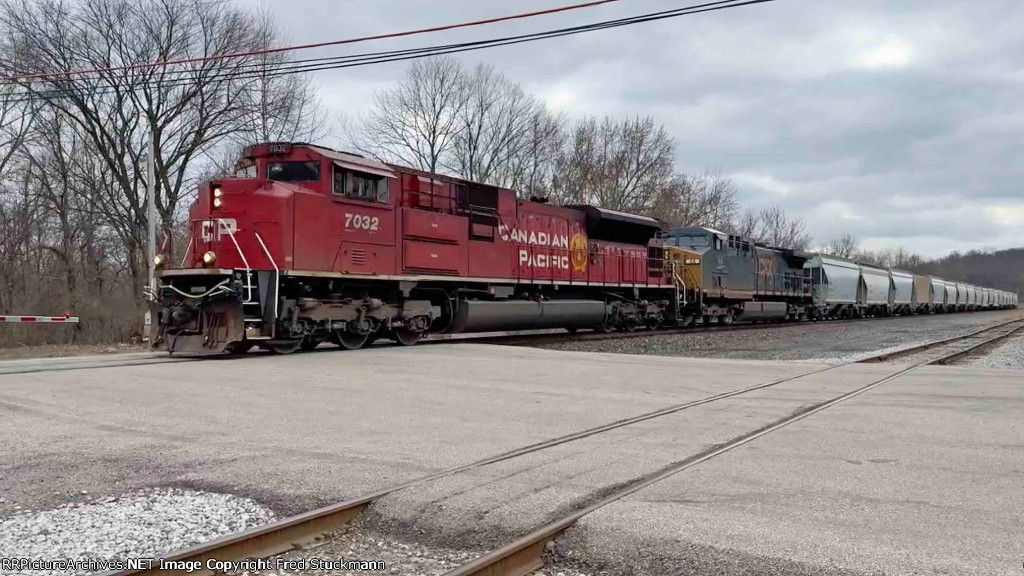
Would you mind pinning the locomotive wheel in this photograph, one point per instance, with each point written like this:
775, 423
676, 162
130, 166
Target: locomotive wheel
351, 340
408, 337
283, 347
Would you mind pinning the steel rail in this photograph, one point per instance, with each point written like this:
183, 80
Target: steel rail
524, 555
297, 531
949, 359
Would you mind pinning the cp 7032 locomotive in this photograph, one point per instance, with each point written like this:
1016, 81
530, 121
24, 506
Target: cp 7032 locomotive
305, 244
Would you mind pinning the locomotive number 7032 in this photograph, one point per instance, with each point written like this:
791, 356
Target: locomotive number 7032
361, 222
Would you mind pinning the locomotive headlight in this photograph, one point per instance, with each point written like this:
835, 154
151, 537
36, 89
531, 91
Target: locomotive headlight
217, 192
209, 257
217, 202
158, 260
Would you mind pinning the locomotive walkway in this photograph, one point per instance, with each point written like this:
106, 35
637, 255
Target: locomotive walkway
923, 453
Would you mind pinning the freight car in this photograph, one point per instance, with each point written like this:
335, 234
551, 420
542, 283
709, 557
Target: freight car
304, 244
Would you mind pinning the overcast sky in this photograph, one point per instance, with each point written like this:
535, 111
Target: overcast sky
900, 121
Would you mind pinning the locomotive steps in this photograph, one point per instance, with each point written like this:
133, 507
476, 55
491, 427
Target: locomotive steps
440, 499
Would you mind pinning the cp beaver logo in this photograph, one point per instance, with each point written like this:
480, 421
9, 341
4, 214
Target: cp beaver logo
578, 252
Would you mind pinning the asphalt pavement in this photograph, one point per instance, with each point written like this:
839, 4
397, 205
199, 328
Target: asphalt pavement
920, 476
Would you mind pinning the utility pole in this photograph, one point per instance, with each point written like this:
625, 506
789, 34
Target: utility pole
151, 212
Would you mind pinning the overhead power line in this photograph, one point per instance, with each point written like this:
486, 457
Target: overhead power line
182, 78
208, 58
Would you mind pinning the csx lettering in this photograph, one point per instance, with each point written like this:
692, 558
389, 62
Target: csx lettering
362, 222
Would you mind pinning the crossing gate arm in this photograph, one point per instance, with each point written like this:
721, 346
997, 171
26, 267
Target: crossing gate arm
39, 319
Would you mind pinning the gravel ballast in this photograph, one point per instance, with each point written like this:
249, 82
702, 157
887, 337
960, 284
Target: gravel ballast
138, 525
1007, 356
359, 542
829, 341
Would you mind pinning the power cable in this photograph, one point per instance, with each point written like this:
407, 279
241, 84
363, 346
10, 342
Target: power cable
349, 61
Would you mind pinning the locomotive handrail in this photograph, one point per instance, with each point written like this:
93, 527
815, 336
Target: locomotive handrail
277, 282
248, 271
187, 248
681, 281
786, 284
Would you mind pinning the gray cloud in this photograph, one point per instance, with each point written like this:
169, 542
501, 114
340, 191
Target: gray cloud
900, 122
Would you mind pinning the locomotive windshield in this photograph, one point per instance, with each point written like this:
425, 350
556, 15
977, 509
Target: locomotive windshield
293, 171
692, 240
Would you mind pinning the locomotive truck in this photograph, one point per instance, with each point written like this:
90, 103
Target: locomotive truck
304, 244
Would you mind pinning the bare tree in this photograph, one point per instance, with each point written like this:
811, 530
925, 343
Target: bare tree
16, 115
708, 199
188, 109
495, 123
622, 165
416, 122
772, 226
533, 165
275, 106
846, 246
780, 230
748, 224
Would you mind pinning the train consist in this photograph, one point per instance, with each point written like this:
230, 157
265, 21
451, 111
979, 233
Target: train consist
726, 277
305, 244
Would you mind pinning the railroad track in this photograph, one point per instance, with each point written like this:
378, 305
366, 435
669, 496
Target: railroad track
524, 555
529, 339
949, 350
516, 338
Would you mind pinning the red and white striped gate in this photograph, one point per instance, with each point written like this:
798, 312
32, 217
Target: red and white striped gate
66, 319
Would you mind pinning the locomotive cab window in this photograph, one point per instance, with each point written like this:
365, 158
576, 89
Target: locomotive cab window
248, 171
293, 171
360, 186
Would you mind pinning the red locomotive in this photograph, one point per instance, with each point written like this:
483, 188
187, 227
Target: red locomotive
306, 244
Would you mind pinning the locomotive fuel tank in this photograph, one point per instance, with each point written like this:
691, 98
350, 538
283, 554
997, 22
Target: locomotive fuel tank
494, 316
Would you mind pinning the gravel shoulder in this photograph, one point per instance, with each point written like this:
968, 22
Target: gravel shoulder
830, 341
141, 524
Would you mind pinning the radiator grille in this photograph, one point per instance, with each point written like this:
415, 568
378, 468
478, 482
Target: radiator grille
358, 256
